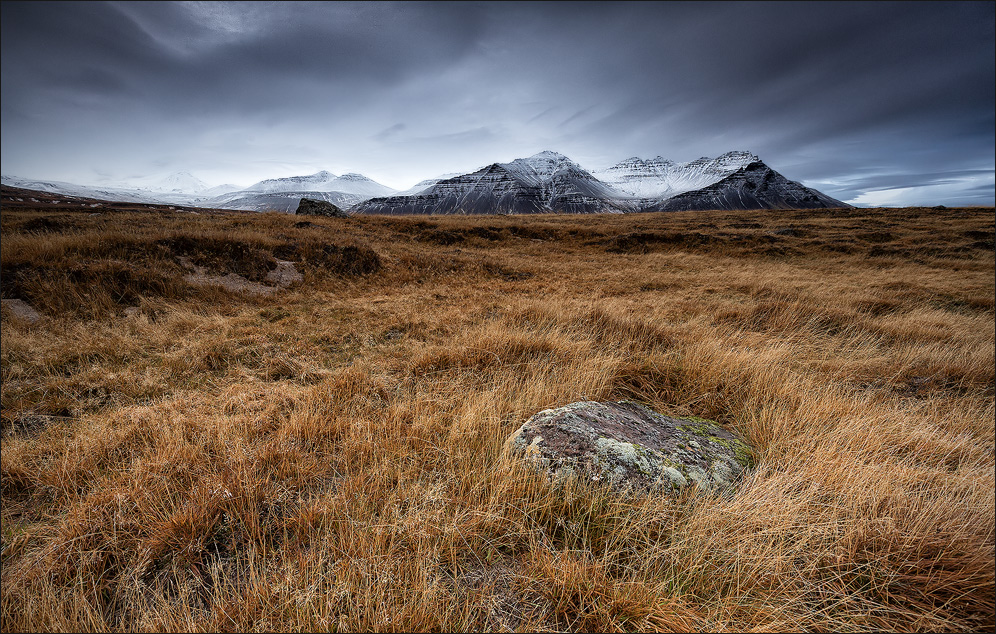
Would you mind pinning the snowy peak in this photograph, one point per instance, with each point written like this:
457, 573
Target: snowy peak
540, 168
724, 164
544, 160
217, 190
547, 182
312, 182
323, 181
60, 187
179, 182
359, 185
740, 157
636, 164
754, 186
662, 178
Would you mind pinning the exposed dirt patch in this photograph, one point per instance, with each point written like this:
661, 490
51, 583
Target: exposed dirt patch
20, 309
280, 277
223, 256
644, 242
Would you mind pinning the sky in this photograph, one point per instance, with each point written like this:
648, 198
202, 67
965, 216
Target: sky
885, 104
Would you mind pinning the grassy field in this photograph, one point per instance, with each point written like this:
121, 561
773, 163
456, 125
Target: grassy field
330, 456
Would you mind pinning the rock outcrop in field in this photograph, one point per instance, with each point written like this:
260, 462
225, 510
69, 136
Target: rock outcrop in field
630, 445
311, 207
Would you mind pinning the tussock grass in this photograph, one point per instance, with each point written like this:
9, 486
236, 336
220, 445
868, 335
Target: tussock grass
332, 456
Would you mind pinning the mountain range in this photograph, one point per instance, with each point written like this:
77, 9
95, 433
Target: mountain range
547, 182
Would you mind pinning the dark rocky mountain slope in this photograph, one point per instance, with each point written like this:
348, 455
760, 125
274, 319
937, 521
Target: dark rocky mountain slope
755, 186
544, 183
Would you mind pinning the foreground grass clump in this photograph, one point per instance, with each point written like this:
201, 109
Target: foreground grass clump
330, 456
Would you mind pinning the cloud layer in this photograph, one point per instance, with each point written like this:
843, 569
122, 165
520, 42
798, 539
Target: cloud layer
873, 103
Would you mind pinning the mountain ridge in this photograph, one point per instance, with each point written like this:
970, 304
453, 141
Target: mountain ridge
536, 184
754, 186
546, 182
323, 181
550, 182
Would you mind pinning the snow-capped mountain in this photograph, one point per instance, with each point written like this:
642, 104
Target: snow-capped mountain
550, 182
277, 194
660, 178
218, 190
180, 188
312, 182
754, 186
547, 182
284, 194
116, 194
285, 202
324, 181
543, 183
177, 183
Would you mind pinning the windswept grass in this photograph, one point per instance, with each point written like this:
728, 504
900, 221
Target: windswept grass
330, 457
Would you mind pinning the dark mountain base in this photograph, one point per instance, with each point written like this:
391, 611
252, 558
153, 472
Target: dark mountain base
756, 186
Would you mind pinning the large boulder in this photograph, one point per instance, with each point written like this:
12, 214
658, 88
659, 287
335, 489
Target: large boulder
312, 207
630, 445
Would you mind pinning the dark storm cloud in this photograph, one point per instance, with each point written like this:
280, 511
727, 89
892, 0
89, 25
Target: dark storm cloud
853, 98
175, 63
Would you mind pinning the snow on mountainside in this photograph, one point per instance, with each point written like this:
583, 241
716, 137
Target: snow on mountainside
284, 194
547, 182
551, 182
324, 181
286, 202
178, 182
754, 186
218, 190
169, 190
543, 183
312, 182
116, 194
660, 178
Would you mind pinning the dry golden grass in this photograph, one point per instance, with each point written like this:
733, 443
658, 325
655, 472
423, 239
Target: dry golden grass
331, 457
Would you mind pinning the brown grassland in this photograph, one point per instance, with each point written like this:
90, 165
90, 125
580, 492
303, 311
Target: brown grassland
330, 456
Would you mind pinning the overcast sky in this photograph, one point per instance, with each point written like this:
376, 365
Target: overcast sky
873, 104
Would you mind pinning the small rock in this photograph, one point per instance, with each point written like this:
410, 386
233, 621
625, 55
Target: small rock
629, 445
284, 275
20, 309
231, 282
312, 207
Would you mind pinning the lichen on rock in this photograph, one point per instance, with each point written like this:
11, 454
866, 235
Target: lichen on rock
631, 446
